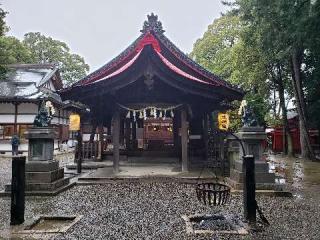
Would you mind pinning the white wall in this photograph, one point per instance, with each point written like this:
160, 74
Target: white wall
25, 118
5, 145
6, 108
27, 108
7, 118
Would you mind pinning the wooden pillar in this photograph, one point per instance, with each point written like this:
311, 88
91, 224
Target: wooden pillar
122, 131
176, 139
134, 135
100, 142
93, 131
109, 120
127, 133
184, 140
115, 140
15, 126
205, 134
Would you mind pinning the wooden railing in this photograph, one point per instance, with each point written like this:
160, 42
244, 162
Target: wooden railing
90, 151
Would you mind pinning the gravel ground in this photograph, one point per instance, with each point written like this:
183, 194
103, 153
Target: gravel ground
153, 211
5, 172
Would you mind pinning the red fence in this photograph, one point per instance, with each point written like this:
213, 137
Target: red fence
277, 139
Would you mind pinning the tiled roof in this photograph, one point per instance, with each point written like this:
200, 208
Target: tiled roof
29, 81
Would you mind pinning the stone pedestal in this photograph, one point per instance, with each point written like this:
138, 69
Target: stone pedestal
43, 174
252, 139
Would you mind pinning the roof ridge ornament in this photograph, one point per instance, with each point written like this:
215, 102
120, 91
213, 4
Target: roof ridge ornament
152, 24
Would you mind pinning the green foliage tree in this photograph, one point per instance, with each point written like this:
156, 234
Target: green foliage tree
48, 50
3, 26
282, 28
3, 29
223, 51
12, 51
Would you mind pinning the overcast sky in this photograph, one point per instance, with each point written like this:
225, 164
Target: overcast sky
99, 30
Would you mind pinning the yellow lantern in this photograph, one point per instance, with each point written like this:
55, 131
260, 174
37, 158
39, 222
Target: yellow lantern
223, 121
74, 122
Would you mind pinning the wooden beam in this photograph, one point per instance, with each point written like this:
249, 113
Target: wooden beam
127, 133
100, 142
205, 134
184, 140
115, 140
93, 131
15, 126
176, 139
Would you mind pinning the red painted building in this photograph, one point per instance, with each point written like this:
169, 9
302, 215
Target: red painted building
277, 136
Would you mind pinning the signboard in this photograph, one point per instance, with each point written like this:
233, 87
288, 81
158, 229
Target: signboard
74, 122
223, 121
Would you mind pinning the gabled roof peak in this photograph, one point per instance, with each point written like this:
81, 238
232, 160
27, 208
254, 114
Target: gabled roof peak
152, 24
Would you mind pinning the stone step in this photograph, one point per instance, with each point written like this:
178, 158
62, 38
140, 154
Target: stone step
260, 177
259, 166
41, 166
153, 159
43, 186
44, 177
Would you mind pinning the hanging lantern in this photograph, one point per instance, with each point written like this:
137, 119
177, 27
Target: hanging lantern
160, 114
74, 122
141, 114
128, 114
155, 113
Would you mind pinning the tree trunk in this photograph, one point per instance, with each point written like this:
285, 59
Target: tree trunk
306, 149
287, 141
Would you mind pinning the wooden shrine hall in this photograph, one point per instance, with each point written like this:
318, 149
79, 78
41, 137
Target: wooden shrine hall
152, 98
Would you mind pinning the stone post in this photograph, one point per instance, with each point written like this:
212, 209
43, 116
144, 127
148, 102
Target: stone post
249, 189
18, 190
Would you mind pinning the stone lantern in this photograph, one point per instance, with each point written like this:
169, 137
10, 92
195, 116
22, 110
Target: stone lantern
43, 174
253, 138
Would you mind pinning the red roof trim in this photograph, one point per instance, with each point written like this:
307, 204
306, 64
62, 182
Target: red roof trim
120, 70
179, 71
147, 40
107, 71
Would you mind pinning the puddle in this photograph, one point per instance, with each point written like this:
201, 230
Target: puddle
299, 175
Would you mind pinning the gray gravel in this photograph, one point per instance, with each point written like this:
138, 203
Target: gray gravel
5, 172
153, 211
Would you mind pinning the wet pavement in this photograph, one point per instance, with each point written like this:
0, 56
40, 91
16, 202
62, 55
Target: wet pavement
154, 210
300, 176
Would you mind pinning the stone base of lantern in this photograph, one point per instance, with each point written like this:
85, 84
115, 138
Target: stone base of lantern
44, 178
43, 174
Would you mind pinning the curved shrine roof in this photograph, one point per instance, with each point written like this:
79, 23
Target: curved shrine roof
170, 56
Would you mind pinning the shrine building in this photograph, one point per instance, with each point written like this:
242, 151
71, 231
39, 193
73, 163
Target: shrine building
22, 91
151, 100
